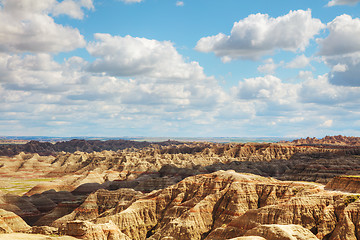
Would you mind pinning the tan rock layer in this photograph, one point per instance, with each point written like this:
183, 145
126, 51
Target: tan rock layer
345, 183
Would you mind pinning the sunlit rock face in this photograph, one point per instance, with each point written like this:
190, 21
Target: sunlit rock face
188, 191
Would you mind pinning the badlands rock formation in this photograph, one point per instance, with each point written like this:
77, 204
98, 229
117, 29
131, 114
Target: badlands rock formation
329, 140
24, 236
177, 190
221, 205
282, 232
191, 209
182, 160
345, 183
46, 148
10, 222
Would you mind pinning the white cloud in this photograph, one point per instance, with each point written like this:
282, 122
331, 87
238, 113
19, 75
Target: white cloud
259, 35
131, 1
339, 68
269, 67
305, 75
37, 93
268, 89
299, 62
143, 85
72, 8
342, 2
36, 73
345, 73
321, 91
340, 50
132, 56
327, 123
27, 27
179, 3
343, 38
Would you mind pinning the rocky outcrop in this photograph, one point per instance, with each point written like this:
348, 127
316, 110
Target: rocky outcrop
46, 230
177, 161
10, 222
47, 148
345, 183
21, 206
349, 220
220, 205
197, 205
91, 231
180, 191
174, 161
329, 140
25, 166
98, 203
59, 211
314, 212
321, 169
224, 205
26, 236
282, 232
248, 238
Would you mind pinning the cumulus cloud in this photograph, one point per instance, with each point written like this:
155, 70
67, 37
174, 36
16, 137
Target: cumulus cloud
41, 74
340, 50
305, 75
343, 38
133, 56
259, 35
327, 123
65, 94
321, 91
342, 2
267, 88
346, 74
179, 3
27, 27
37, 93
299, 62
291, 107
269, 66
131, 1
72, 8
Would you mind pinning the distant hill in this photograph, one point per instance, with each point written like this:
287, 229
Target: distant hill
328, 140
47, 148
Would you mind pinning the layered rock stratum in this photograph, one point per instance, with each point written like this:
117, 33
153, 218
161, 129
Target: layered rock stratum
138, 190
329, 140
220, 205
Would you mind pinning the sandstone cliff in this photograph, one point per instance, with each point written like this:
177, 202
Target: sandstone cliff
225, 205
220, 205
194, 207
178, 191
282, 232
26, 236
10, 222
329, 140
345, 183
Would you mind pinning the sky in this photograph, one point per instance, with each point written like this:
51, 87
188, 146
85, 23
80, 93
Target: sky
171, 68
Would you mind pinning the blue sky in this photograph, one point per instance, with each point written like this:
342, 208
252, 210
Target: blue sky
191, 68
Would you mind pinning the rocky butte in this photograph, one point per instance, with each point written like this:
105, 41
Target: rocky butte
118, 189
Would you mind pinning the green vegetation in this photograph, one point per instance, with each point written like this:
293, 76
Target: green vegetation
296, 190
20, 186
350, 199
39, 180
350, 176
